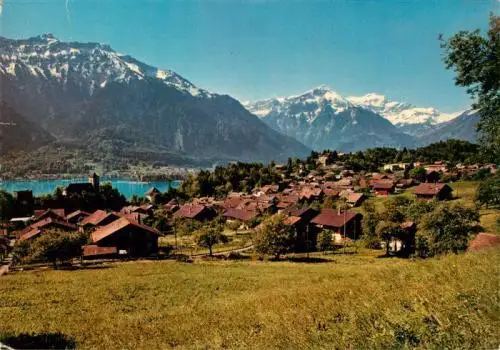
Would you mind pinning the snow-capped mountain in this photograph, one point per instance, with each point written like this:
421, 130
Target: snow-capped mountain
322, 118
90, 96
405, 116
93, 65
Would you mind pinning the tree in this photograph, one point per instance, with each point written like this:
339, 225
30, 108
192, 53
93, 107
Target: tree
210, 237
488, 192
6, 205
386, 230
476, 61
395, 209
324, 241
370, 221
416, 211
55, 245
446, 229
275, 237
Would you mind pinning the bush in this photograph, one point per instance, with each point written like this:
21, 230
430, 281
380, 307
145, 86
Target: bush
52, 246
446, 230
274, 238
324, 241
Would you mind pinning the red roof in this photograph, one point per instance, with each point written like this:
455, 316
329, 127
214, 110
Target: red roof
97, 217
94, 250
354, 197
30, 234
382, 184
240, 214
429, 189
292, 220
331, 217
76, 213
189, 211
117, 225
57, 212
47, 221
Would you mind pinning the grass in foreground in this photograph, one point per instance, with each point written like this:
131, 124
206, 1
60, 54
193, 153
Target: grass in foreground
351, 301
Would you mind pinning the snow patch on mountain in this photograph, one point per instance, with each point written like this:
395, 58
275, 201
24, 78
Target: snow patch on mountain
401, 113
98, 64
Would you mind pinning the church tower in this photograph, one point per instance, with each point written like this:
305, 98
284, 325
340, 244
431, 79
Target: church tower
94, 180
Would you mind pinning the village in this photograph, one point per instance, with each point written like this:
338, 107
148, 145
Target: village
310, 200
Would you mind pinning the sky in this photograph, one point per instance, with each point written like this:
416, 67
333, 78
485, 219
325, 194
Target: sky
255, 49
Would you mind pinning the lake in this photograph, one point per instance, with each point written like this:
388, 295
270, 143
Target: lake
126, 187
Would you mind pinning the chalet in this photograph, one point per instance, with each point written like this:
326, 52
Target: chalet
195, 212
355, 199
37, 228
58, 214
382, 187
311, 194
98, 218
172, 206
76, 216
436, 191
128, 237
152, 193
336, 221
240, 215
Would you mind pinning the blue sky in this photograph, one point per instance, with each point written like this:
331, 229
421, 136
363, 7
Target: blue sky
256, 49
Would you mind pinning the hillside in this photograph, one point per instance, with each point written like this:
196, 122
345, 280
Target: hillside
343, 301
89, 96
19, 134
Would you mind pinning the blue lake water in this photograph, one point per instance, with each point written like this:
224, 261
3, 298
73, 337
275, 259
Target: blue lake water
126, 187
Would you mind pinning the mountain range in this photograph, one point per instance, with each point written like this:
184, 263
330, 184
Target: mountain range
87, 96
321, 118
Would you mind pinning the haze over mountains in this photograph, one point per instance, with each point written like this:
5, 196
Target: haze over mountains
88, 96
321, 118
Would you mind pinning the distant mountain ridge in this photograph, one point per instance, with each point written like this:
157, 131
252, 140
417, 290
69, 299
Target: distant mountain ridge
322, 118
88, 95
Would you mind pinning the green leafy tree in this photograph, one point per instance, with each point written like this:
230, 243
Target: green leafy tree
488, 192
446, 230
209, 237
417, 209
54, 245
475, 58
370, 221
324, 241
275, 237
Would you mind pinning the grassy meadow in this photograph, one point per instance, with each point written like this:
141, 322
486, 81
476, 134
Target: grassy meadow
341, 301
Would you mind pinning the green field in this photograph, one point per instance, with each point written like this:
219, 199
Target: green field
341, 301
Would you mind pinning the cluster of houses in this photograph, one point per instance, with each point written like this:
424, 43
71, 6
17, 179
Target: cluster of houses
123, 233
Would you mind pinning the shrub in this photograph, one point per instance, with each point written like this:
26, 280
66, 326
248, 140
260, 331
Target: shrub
274, 238
324, 241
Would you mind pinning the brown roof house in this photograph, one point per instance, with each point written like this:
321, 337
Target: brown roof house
76, 216
37, 228
128, 237
195, 212
98, 218
433, 191
336, 220
383, 187
355, 199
